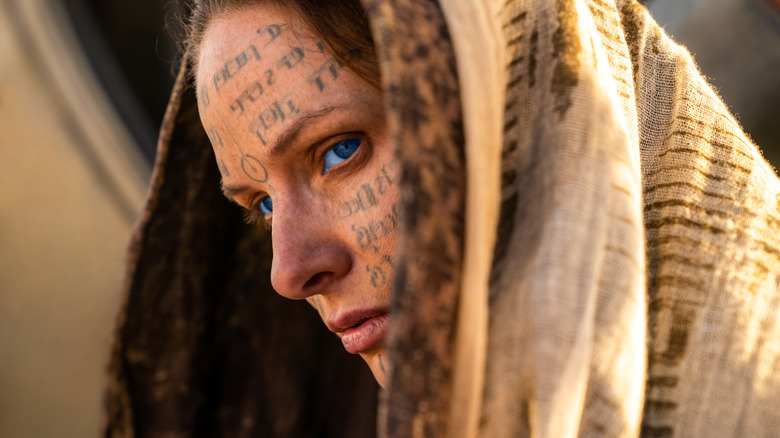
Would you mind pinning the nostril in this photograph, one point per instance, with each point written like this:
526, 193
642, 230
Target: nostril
316, 280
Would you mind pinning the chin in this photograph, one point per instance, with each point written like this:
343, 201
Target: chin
377, 362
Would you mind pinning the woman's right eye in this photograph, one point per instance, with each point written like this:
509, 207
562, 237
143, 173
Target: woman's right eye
341, 151
266, 206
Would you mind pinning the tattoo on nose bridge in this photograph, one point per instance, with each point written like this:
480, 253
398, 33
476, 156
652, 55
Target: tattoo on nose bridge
233, 66
278, 112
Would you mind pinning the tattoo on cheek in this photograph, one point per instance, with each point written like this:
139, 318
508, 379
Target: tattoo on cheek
382, 364
367, 196
368, 236
381, 273
278, 112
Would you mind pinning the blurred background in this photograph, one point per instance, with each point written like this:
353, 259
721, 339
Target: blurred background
83, 88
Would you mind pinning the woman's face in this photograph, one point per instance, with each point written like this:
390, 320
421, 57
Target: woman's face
302, 143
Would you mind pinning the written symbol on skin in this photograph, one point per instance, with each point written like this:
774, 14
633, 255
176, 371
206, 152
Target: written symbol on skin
278, 112
291, 59
368, 236
203, 98
273, 31
234, 65
215, 138
251, 94
363, 200
378, 274
365, 197
256, 90
222, 168
330, 68
254, 169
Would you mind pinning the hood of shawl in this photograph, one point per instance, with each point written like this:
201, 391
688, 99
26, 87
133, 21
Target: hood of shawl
205, 344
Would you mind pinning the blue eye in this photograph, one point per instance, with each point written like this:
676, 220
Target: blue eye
343, 150
266, 206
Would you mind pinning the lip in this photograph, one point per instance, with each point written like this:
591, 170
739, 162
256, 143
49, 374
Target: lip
361, 330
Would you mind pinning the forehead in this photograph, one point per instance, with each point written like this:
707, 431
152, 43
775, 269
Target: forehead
259, 68
249, 35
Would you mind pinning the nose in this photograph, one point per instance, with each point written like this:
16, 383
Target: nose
308, 256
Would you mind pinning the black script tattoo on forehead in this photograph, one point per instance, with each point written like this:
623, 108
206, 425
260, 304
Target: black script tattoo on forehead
234, 65
203, 96
369, 235
368, 194
278, 112
215, 137
291, 59
256, 90
329, 69
251, 94
252, 167
273, 31
222, 168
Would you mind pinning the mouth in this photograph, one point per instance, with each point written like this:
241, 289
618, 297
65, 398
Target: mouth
362, 331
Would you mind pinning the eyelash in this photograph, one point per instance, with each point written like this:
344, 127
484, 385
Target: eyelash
254, 216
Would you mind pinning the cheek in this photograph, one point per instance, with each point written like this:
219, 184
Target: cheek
370, 216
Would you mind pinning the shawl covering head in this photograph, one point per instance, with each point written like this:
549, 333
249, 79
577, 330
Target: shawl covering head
590, 246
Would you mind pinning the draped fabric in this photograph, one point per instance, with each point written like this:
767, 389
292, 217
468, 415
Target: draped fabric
590, 246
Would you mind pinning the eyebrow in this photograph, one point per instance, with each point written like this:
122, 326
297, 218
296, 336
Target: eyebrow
288, 136
280, 146
232, 191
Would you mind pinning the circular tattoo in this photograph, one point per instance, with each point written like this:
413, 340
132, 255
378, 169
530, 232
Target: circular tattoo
254, 169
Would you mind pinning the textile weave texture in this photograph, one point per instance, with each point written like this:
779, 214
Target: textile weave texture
635, 279
631, 290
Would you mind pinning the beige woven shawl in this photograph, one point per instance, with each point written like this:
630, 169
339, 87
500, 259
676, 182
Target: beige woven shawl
634, 283
601, 258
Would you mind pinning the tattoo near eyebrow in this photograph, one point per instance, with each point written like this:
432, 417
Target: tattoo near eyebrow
288, 136
280, 146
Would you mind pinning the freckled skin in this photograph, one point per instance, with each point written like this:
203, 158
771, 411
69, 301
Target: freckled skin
253, 86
